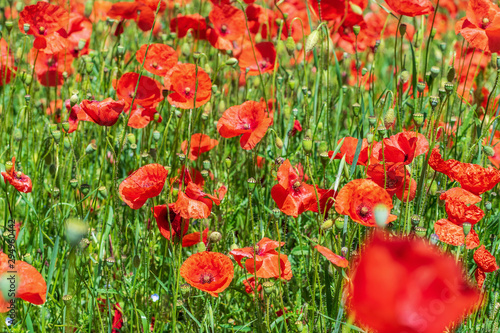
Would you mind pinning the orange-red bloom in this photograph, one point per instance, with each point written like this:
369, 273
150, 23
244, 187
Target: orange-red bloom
144, 183
49, 68
47, 23
358, 199
348, 149
208, 271
485, 260
138, 11
31, 286
460, 206
169, 223
394, 178
264, 261
291, 194
103, 113
141, 117
148, 92
481, 25
194, 203
80, 29
19, 180
402, 147
473, 178
411, 8
408, 285
264, 59
249, 119
194, 23
228, 26
336, 9
332, 257
6, 63
159, 60
452, 234
187, 81
200, 143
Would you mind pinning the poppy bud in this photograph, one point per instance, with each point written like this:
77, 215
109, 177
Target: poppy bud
102, 192
290, 45
433, 101
356, 29
369, 138
91, 148
136, 261
278, 142
89, 66
381, 214
421, 86
65, 126
420, 231
307, 145
56, 135
355, 109
292, 84
433, 32
451, 74
312, 40
156, 136
339, 223
251, 184
27, 79
9, 25
488, 205
402, 29
73, 100
415, 220
372, 120
390, 117
232, 62
120, 51
222, 106
327, 224
26, 27
215, 237
467, 227
268, 286
228, 162
489, 151
201, 247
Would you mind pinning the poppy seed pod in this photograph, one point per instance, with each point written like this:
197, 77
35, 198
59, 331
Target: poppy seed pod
433, 101
205, 174
56, 135
215, 237
91, 148
120, 51
228, 162
421, 86
415, 220
312, 40
402, 29
418, 119
435, 71
356, 29
488, 205
420, 231
110, 262
9, 25
26, 27
268, 286
448, 86
372, 120
369, 138
156, 136
74, 183
442, 93
251, 184
307, 145
389, 118
467, 227
339, 223
232, 62
73, 100
85, 189
355, 108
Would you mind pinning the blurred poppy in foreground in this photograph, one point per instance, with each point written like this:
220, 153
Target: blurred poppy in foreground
263, 260
358, 199
31, 285
200, 143
249, 120
408, 285
6, 63
332, 256
169, 223
452, 234
187, 82
486, 263
144, 183
159, 59
49, 68
103, 113
19, 180
411, 8
135, 10
208, 271
472, 177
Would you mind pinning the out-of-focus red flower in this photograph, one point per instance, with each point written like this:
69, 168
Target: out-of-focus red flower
159, 60
481, 25
332, 257
359, 197
194, 23
80, 29
46, 23
138, 11
187, 81
19, 180
297, 127
208, 271
195, 238
31, 285
100, 10
292, 195
264, 59
410, 285
349, 150
167, 219
141, 117
402, 147
411, 8
472, 177
228, 25
452, 234
194, 203
249, 119
117, 314
394, 178
250, 286
6, 63
495, 144
264, 261
261, 20
148, 92
332, 10
105, 112
200, 143
144, 183
460, 206
49, 68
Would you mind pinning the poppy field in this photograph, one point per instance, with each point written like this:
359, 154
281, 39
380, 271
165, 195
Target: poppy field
301, 166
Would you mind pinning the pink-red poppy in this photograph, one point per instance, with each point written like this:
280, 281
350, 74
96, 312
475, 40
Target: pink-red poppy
263, 60
249, 120
148, 93
169, 223
394, 178
486, 263
159, 59
452, 234
228, 25
19, 180
211, 272
144, 183
199, 144
141, 117
332, 256
76, 114
105, 112
187, 82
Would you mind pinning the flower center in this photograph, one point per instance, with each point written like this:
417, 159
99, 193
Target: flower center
131, 94
246, 126
296, 185
154, 64
41, 30
206, 278
223, 28
19, 174
486, 21
263, 64
363, 211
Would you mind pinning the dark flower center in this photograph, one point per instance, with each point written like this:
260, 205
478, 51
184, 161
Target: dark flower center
223, 28
207, 278
486, 22
363, 211
296, 185
154, 64
187, 92
131, 94
246, 126
41, 30
19, 175
263, 64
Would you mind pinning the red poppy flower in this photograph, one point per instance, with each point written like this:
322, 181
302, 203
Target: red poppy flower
394, 178
264, 260
473, 178
19, 180
167, 219
411, 8
80, 29
194, 203
208, 271
194, 23
186, 81
358, 199
332, 10
261, 20
195, 238
187, 175
31, 286
103, 113
460, 206
349, 150
148, 92
6, 63
138, 11
452, 234
228, 25
49, 68
297, 127
402, 147
144, 183
141, 117
249, 119
481, 25
117, 323
332, 257
410, 285
485, 260
291, 194
325, 201
264, 59
47, 23
250, 286
159, 60
200, 143
76, 115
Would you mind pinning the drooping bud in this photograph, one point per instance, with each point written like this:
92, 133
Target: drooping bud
290, 45
389, 118
312, 40
278, 142
489, 151
91, 148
